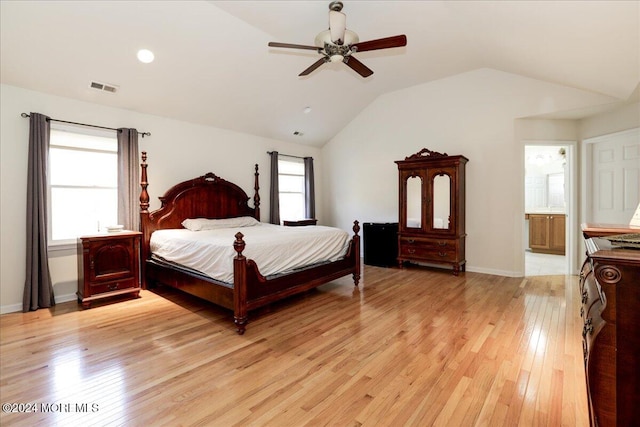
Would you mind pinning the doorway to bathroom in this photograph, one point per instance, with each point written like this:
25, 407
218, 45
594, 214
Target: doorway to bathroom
547, 192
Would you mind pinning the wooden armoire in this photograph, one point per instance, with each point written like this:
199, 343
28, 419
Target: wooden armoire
431, 227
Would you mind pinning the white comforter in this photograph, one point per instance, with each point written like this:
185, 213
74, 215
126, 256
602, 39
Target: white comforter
274, 248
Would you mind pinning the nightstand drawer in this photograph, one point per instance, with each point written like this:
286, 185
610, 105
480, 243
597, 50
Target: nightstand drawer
116, 285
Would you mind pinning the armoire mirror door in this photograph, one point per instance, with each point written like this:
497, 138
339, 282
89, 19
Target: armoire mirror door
441, 203
414, 202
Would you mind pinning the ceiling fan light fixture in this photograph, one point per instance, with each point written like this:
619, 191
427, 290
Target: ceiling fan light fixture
325, 37
337, 26
336, 58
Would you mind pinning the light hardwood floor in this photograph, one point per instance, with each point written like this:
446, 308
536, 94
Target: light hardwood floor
413, 347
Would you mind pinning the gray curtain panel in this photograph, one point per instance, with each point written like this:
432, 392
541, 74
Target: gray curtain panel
309, 188
38, 289
274, 194
128, 179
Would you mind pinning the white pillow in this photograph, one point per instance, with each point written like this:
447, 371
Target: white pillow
198, 224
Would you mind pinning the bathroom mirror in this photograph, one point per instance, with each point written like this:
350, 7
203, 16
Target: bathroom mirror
414, 202
441, 201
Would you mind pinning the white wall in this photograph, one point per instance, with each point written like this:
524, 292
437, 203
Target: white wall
472, 114
627, 117
176, 151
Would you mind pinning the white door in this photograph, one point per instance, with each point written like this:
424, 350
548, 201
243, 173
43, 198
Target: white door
615, 179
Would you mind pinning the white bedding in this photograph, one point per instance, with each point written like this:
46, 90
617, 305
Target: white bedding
274, 248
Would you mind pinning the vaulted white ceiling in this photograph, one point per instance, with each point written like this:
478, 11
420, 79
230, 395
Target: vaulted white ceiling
213, 65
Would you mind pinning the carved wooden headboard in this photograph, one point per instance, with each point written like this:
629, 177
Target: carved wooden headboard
207, 196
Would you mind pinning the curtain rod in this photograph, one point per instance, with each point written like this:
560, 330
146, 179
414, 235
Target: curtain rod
289, 155
25, 115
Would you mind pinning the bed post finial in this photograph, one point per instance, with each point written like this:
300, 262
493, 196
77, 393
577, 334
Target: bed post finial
239, 244
256, 197
144, 196
239, 285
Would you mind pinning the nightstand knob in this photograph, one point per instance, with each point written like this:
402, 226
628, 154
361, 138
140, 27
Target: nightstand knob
113, 287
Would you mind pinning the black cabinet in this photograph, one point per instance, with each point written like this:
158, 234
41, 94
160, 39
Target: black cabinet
381, 243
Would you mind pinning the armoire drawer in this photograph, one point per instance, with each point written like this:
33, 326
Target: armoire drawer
430, 249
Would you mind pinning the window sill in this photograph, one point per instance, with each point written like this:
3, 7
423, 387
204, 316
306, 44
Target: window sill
62, 249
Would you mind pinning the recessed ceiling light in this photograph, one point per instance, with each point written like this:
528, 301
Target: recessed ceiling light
145, 55
307, 110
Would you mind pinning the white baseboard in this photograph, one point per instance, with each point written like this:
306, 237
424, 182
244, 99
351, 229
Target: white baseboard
4, 309
495, 272
14, 308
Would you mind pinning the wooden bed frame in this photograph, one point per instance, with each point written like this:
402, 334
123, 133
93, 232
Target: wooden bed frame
210, 196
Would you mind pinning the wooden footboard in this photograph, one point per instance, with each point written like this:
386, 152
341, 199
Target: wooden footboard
253, 290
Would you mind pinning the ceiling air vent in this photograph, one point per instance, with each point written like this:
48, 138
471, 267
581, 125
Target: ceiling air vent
103, 87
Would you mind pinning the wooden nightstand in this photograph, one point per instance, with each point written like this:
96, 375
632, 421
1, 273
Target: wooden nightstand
108, 265
300, 222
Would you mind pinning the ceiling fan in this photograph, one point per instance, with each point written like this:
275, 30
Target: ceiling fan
337, 44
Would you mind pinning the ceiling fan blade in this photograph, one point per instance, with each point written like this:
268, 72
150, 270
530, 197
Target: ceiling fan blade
294, 46
358, 66
313, 66
385, 43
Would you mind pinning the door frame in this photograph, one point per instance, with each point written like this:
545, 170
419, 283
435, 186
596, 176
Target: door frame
572, 252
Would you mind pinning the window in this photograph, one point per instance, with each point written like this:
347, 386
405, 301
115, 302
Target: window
83, 183
291, 189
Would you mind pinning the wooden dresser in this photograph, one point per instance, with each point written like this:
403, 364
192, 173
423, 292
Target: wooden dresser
108, 265
610, 291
